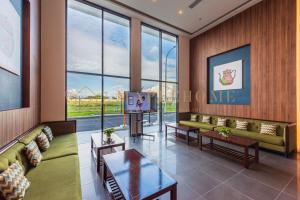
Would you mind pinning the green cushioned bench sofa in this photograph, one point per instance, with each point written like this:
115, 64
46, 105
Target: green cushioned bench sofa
57, 177
284, 142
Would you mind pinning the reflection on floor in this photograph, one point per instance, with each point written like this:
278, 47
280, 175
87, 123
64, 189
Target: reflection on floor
201, 175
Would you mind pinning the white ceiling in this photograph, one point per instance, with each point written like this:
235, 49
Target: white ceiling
205, 15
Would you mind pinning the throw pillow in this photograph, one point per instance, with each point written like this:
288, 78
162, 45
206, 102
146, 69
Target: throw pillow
194, 117
48, 132
221, 122
13, 183
42, 141
206, 119
268, 129
241, 125
33, 153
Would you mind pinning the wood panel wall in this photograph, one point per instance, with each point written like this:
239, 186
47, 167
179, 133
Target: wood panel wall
270, 28
15, 122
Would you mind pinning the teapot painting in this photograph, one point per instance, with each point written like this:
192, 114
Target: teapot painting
228, 77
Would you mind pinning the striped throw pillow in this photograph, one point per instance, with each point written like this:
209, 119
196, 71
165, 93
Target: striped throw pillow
241, 125
194, 118
221, 122
42, 141
48, 132
33, 153
206, 119
268, 129
13, 183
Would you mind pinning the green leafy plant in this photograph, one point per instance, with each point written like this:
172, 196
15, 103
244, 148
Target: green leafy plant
225, 132
108, 132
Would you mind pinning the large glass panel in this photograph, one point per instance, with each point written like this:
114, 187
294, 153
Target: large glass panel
169, 102
169, 58
150, 53
113, 95
84, 100
116, 45
151, 120
84, 38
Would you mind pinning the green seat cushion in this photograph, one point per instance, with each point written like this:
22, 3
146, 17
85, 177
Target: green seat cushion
32, 135
276, 140
60, 146
200, 125
55, 179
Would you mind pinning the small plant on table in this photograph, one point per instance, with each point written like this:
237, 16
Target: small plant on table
108, 132
225, 132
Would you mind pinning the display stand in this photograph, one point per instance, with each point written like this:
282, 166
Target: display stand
139, 120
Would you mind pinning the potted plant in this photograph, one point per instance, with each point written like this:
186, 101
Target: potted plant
225, 132
108, 132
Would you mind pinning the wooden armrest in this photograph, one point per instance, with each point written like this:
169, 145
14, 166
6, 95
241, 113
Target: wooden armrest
62, 127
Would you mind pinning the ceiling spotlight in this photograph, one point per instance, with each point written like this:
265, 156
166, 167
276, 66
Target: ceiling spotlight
154, 1
180, 12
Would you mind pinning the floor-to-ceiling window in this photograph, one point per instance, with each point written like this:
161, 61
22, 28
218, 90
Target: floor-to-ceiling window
159, 74
98, 66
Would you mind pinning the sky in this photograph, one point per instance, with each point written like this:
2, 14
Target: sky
84, 53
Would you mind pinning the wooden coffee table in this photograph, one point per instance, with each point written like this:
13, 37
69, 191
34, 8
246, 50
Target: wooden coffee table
98, 144
245, 143
186, 129
134, 177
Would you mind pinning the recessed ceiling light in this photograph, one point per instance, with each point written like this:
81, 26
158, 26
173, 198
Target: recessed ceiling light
180, 12
154, 1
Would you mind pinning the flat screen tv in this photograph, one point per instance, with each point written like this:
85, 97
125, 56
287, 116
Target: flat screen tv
138, 102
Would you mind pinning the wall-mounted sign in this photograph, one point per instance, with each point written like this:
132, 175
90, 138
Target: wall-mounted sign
229, 77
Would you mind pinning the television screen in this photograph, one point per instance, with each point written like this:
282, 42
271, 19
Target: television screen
137, 102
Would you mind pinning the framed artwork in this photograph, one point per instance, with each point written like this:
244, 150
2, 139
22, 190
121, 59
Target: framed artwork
229, 77
11, 36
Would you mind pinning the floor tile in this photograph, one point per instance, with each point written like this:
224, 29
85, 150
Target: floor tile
252, 188
217, 171
225, 192
284, 196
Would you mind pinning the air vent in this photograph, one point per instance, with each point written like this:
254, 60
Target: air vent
194, 4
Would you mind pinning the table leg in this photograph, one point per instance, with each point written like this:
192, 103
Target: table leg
188, 137
123, 147
198, 133
211, 141
104, 174
173, 195
166, 132
92, 144
176, 134
98, 160
246, 152
256, 153
200, 141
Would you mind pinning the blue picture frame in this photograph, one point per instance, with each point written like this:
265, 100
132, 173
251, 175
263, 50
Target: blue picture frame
236, 96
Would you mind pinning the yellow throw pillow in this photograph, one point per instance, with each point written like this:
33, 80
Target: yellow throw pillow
206, 119
13, 183
194, 117
33, 153
241, 125
221, 122
268, 129
42, 141
48, 132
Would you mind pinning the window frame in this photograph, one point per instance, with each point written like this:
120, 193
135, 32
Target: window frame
102, 75
160, 81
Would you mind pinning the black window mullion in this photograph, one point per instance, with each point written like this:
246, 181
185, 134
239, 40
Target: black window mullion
102, 79
160, 83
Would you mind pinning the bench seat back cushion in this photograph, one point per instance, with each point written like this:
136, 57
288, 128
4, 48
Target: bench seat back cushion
16, 152
32, 135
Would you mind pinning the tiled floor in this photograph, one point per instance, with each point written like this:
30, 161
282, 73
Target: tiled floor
202, 175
